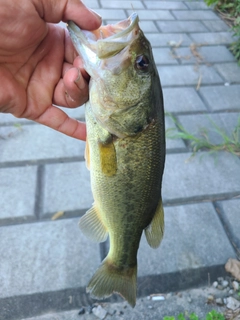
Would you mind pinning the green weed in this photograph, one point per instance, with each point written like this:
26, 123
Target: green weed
212, 315
230, 11
230, 143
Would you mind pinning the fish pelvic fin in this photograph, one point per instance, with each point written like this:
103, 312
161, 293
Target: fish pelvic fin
154, 232
110, 279
92, 226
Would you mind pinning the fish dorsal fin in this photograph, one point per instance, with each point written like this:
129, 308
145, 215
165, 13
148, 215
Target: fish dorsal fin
154, 232
92, 226
108, 158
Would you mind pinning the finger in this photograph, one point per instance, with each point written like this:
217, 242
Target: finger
56, 10
58, 120
72, 90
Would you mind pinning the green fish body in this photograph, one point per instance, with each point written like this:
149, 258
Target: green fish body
125, 150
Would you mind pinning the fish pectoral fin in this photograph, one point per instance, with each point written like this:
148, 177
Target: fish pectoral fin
92, 226
110, 279
154, 232
108, 158
87, 155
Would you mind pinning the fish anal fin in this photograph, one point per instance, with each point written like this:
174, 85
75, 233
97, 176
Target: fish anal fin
154, 232
108, 158
87, 155
110, 279
92, 226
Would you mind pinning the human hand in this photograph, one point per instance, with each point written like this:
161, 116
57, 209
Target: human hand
39, 68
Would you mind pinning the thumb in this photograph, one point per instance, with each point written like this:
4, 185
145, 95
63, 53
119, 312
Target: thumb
54, 11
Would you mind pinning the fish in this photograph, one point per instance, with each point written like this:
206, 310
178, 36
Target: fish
125, 150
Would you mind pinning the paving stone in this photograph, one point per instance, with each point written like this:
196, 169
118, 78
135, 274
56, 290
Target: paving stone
36, 142
45, 256
181, 26
216, 25
166, 5
203, 176
122, 4
93, 4
165, 39
66, 187
153, 14
230, 71
17, 189
230, 216
194, 238
172, 143
163, 56
212, 38
195, 15
215, 126
196, 5
7, 118
207, 54
182, 100
187, 75
118, 14
222, 97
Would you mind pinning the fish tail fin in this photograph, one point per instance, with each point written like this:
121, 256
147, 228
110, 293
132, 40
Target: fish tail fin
110, 279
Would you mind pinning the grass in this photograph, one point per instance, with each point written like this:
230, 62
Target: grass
230, 143
230, 12
212, 315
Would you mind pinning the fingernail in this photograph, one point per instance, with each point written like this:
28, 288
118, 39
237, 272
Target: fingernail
96, 14
80, 81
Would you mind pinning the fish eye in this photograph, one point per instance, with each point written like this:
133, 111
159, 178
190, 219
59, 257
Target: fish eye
142, 63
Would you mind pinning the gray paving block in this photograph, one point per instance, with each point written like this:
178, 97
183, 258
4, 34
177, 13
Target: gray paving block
230, 71
180, 100
222, 97
195, 15
230, 217
172, 143
181, 26
122, 4
212, 38
214, 126
216, 25
166, 5
45, 256
163, 56
36, 142
66, 187
204, 176
207, 54
93, 4
187, 75
194, 238
17, 190
196, 5
118, 14
165, 39
153, 14
148, 26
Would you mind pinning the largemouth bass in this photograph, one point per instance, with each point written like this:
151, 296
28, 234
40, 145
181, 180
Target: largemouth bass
125, 150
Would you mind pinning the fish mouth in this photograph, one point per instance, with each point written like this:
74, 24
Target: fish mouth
106, 41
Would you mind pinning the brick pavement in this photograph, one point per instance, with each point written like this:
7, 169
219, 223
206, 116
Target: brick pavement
46, 264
